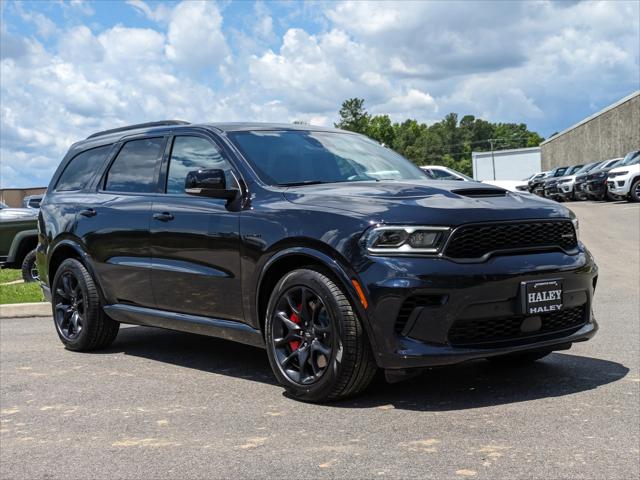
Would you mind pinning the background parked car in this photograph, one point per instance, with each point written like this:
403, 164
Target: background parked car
596, 184
567, 185
624, 180
551, 186
32, 201
519, 186
18, 240
538, 187
535, 180
438, 172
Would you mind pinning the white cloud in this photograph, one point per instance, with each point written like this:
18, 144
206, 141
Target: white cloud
161, 13
504, 61
195, 39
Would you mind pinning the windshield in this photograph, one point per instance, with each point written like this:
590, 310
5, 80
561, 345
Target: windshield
630, 159
588, 167
307, 157
611, 164
467, 178
3, 205
560, 171
573, 170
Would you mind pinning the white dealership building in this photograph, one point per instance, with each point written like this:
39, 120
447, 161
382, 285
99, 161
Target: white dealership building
514, 164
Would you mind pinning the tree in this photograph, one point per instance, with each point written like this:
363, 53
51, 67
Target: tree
353, 116
381, 129
448, 142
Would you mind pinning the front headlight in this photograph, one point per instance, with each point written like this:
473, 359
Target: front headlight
576, 226
389, 240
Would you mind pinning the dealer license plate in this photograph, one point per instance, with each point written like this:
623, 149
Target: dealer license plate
542, 296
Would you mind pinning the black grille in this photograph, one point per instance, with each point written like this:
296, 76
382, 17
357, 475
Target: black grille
496, 330
411, 303
475, 241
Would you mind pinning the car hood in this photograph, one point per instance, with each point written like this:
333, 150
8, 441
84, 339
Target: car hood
8, 214
594, 173
434, 202
627, 168
566, 177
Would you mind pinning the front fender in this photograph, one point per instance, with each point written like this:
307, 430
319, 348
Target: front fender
340, 270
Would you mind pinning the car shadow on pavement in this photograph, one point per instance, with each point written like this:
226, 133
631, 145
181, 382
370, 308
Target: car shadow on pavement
458, 387
481, 384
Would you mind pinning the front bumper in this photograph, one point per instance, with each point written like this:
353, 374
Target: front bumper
619, 186
596, 188
551, 191
410, 334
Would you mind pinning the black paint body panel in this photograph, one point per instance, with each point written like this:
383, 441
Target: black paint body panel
202, 271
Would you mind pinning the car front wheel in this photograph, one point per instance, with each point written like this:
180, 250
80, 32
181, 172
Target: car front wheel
316, 343
634, 194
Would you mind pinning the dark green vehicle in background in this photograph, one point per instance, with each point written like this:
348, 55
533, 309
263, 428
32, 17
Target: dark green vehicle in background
19, 239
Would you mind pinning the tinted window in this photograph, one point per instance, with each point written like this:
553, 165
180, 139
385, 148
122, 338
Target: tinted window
442, 175
134, 169
194, 153
294, 157
81, 169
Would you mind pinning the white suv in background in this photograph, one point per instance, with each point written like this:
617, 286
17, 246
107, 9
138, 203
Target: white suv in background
624, 180
438, 172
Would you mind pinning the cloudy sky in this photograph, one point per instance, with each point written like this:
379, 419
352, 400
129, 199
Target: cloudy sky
70, 68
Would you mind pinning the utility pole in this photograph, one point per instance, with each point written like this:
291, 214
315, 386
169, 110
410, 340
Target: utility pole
493, 160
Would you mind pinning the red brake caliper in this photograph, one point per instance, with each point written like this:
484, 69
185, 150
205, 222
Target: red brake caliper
295, 344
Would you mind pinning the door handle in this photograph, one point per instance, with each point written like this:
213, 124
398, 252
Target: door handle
88, 212
163, 217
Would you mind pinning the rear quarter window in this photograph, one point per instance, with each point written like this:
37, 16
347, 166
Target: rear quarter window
81, 169
135, 167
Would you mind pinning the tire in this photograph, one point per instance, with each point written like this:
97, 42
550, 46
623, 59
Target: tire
326, 337
634, 193
29, 267
78, 317
517, 359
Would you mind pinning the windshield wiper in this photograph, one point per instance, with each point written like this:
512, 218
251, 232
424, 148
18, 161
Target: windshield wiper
305, 182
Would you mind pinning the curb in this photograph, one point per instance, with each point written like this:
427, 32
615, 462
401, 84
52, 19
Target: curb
23, 310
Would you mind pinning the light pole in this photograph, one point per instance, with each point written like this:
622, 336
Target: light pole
493, 160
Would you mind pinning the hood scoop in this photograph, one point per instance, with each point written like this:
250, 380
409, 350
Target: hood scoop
480, 192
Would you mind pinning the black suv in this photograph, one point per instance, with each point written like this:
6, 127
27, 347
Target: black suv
331, 251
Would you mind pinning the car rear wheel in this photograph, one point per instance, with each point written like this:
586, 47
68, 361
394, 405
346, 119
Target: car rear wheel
29, 267
515, 359
316, 344
634, 194
77, 311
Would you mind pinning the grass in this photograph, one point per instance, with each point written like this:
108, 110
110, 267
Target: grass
18, 292
9, 274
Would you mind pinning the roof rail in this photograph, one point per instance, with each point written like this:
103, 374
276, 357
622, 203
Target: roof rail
161, 123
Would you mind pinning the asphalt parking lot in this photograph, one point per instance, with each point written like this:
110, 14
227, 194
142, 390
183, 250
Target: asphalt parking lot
160, 404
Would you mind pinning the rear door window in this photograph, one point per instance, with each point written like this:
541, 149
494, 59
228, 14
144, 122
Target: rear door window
135, 168
81, 169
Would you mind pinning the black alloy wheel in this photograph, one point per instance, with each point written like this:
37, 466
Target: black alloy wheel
303, 335
69, 306
79, 319
316, 343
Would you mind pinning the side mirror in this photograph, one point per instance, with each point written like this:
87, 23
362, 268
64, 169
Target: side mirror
209, 182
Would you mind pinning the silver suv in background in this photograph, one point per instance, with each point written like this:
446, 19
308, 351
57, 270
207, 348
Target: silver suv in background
624, 180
